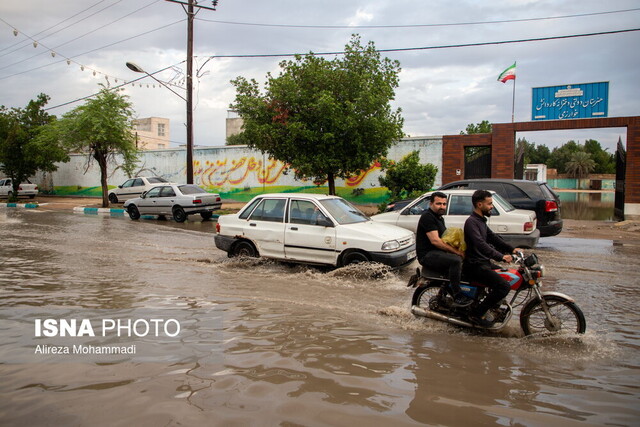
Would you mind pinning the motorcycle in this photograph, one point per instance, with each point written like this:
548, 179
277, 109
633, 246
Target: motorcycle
541, 312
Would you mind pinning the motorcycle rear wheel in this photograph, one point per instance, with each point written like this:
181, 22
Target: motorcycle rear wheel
567, 316
423, 294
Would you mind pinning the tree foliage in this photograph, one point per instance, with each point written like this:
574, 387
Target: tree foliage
326, 118
605, 162
22, 152
101, 128
482, 127
407, 178
580, 165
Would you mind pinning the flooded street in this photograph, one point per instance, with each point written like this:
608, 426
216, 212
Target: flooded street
267, 343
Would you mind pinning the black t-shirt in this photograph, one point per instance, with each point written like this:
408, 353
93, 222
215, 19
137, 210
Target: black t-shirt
429, 221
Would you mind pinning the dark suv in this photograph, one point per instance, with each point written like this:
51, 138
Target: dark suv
531, 195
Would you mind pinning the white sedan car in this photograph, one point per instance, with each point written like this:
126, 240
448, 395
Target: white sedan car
313, 229
177, 200
134, 187
517, 227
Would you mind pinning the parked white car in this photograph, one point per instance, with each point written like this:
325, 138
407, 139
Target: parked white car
516, 226
177, 200
134, 187
6, 189
314, 229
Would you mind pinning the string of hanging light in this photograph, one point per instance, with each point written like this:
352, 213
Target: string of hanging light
83, 67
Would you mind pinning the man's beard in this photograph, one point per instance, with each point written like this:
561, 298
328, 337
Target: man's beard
487, 213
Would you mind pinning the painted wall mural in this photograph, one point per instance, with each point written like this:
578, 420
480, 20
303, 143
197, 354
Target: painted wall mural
236, 172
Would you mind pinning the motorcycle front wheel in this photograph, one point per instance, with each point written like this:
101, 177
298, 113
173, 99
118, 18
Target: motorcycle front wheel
566, 316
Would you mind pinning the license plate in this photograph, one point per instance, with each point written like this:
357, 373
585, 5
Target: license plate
411, 255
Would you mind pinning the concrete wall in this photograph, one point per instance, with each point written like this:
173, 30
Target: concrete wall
236, 172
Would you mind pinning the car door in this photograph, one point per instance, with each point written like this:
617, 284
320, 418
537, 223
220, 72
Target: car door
165, 201
149, 203
458, 210
410, 215
304, 239
265, 227
137, 188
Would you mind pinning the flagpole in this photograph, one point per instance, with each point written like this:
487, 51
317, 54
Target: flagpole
513, 101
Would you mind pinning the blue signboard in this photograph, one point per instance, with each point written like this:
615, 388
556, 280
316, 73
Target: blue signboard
577, 101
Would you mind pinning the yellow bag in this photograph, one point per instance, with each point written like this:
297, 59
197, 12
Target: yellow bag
454, 236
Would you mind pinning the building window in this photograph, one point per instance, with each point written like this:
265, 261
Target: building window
160, 129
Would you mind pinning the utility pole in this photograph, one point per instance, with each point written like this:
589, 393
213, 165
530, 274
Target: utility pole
190, 17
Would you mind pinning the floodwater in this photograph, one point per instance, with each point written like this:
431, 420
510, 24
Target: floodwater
266, 343
587, 205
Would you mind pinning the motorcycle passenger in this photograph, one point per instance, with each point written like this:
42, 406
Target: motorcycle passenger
483, 246
435, 254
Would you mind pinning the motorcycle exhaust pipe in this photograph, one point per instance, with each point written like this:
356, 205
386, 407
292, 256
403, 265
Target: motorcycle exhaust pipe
419, 311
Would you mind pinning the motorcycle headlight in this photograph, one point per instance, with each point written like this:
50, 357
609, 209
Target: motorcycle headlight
531, 260
390, 245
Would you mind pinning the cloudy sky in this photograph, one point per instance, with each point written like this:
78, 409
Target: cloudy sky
441, 90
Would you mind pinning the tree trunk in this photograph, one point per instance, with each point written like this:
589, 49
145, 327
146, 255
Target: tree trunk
332, 184
102, 162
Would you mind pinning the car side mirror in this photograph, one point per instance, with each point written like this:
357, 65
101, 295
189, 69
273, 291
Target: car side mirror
324, 222
120, 186
143, 195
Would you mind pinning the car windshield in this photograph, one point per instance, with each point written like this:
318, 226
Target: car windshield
190, 189
506, 206
343, 211
156, 180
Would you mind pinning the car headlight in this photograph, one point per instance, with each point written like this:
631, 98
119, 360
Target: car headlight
390, 245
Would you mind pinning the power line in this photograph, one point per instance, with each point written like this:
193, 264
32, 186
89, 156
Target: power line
55, 25
449, 46
53, 49
333, 27
115, 87
93, 50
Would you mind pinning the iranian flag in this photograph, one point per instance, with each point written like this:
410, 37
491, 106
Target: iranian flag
508, 74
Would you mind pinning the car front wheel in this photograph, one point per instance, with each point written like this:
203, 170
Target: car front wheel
113, 198
179, 214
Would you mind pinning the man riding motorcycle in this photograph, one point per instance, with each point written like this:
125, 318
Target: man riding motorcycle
435, 254
483, 246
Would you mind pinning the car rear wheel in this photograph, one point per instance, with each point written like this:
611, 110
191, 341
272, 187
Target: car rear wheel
179, 214
113, 198
206, 215
243, 249
133, 212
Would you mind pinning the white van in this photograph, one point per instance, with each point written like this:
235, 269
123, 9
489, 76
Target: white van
314, 229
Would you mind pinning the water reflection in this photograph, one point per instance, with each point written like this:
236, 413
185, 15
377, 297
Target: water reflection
589, 206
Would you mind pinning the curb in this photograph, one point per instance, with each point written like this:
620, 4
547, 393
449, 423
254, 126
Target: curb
19, 205
96, 211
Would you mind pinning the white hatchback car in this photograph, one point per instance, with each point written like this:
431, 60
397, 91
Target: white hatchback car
314, 229
517, 227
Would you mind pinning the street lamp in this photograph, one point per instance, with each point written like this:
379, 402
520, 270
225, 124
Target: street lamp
134, 67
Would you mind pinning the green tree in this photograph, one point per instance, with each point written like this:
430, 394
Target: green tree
101, 128
561, 155
22, 152
580, 165
407, 178
605, 162
482, 127
326, 119
536, 154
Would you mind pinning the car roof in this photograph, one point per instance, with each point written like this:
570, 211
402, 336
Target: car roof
460, 191
504, 180
310, 196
